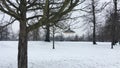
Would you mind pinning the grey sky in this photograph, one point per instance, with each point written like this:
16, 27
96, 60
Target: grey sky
78, 30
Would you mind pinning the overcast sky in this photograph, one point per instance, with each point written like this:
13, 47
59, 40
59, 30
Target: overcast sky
78, 29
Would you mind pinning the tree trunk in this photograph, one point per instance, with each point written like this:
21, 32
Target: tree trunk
47, 37
36, 36
94, 23
22, 47
114, 24
46, 13
94, 35
1, 34
53, 38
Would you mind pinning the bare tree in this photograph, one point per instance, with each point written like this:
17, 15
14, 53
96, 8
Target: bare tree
92, 9
52, 9
19, 10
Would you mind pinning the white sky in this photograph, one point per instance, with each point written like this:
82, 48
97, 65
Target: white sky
79, 31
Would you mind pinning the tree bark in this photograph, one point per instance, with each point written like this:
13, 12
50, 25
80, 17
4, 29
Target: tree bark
22, 47
47, 37
46, 13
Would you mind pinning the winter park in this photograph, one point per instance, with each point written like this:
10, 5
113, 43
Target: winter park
59, 34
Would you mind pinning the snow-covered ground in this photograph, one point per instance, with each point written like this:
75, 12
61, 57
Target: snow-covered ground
66, 55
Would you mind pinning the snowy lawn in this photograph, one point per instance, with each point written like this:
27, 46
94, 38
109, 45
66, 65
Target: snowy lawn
66, 55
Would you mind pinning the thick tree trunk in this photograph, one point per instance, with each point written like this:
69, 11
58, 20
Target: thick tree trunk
46, 13
22, 47
47, 37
